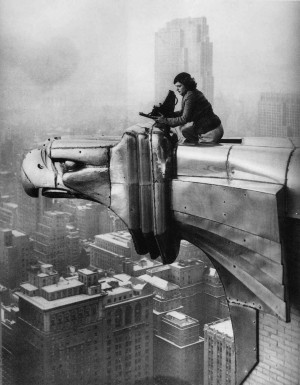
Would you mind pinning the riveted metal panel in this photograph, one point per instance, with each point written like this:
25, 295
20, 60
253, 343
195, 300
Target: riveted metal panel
269, 250
204, 161
258, 289
259, 163
124, 181
293, 186
245, 329
145, 183
251, 211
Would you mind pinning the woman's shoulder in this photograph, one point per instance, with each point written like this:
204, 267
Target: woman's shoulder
190, 95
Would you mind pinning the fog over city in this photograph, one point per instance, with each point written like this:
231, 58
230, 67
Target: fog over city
64, 62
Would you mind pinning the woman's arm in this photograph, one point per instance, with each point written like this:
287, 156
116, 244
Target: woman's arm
185, 115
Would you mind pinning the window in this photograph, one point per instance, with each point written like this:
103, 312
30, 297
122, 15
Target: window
118, 317
138, 312
128, 315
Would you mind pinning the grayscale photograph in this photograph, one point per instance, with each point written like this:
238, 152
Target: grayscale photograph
149, 192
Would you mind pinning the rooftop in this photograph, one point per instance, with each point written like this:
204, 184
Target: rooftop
86, 271
27, 286
120, 290
62, 285
45, 305
182, 264
121, 238
180, 319
159, 268
159, 282
223, 326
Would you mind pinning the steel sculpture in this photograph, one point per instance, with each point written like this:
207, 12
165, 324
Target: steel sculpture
237, 201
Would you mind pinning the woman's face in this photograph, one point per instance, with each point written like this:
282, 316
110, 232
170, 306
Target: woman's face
180, 88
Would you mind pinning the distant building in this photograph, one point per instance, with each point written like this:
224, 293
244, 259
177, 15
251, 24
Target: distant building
189, 276
140, 267
201, 291
214, 297
50, 240
81, 331
110, 222
16, 254
279, 114
184, 45
179, 349
189, 251
219, 353
72, 246
8, 182
30, 211
113, 251
167, 297
9, 345
87, 219
8, 215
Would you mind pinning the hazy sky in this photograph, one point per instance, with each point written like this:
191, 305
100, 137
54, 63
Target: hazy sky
60, 53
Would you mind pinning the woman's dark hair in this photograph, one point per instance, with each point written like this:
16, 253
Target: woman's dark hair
186, 79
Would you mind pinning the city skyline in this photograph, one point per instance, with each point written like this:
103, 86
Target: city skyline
61, 65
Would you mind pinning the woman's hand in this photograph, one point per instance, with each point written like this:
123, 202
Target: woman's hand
161, 119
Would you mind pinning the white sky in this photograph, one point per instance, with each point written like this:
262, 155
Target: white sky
256, 47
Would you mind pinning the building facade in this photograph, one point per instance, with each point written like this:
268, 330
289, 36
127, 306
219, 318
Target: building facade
16, 254
81, 331
9, 345
183, 45
219, 353
50, 240
179, 350
111, 250
279, 115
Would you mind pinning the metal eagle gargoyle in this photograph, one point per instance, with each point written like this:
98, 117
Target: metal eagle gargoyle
236, 201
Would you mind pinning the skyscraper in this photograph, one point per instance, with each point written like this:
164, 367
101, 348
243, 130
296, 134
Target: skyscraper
279, 114
179, 349
219, 353
50, 240
9, 344
81, 331
15, 257
183, 45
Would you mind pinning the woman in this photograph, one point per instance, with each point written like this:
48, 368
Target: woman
196, 119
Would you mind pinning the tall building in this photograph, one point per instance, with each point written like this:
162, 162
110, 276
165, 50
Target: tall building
84, 330
9, 344
113, 250
214, 299
279, 114
8, 215
219, 353
189, 276
166, 298
7, 183
178, 350
183, 45
72, 246
110, 222
16, 254
50, 240
202, 294
87, 219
